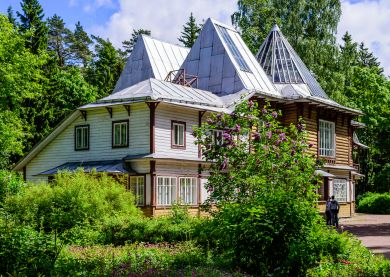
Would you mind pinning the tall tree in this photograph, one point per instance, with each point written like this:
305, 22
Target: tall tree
79, 46
367, 58
190, 32
106, 67
33, 25
11, 16
128, 45
59, 38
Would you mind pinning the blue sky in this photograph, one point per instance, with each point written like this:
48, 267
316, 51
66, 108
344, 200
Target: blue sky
366, 20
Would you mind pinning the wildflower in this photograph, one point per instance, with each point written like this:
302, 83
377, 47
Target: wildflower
224, 164
300, 127
251, 104
264, 111
227, 137
274, 114
278, 142
268, 135
267, 125
282, 137
237, 128
256, 136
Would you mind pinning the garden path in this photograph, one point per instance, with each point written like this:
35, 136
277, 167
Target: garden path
372, 230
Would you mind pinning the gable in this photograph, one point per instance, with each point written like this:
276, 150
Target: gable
223, 63
150, 58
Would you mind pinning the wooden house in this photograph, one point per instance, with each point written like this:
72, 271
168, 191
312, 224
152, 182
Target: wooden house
143, 129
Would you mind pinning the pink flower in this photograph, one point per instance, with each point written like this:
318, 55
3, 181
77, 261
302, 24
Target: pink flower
274, 114
251, 104
264, 111
300, 127
269, 135
224, 164
267, 125
237, 128
256, 136
282, 137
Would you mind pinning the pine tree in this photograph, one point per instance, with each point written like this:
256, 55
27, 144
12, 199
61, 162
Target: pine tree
128, 45
367, 59
11, 16
190, 32
33, 25
79, 46
59, 38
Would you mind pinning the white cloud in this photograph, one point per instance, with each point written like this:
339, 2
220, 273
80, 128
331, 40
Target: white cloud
92, 6
163, 17
368, 21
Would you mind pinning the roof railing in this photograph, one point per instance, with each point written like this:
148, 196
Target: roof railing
181, 78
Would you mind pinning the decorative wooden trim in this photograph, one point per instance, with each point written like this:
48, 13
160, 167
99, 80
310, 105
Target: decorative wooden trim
152, 109
109, 109
75, 137
127, 107
112, 134
185, 135
84, 114
153, 184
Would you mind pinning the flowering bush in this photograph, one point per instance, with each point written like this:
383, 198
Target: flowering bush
262, 181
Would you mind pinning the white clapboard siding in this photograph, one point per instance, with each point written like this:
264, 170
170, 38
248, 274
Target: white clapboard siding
61, 149
164, 115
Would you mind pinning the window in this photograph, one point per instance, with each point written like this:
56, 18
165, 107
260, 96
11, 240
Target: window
340, 190
188, 190
166, 190
217, 137
82, 137
178, 134
233, 49
120, 133
137, 187
327, 138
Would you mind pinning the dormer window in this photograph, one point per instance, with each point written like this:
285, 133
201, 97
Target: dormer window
81, 137
120, 134
327, 139
178, 139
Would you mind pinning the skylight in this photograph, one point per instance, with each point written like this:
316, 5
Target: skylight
233, 49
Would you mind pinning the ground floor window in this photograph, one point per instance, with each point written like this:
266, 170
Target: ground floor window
188, 190
340, 190
137, 187
166, 190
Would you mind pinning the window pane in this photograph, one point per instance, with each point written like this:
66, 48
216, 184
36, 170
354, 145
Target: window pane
78, 138
85, 137
340, 189
327, 143
117, 134
181, 135
124, 134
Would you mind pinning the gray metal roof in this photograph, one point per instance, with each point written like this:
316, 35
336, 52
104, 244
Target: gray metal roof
158, 90
151, 58
223, 62
283, 65
113, 166
356, 141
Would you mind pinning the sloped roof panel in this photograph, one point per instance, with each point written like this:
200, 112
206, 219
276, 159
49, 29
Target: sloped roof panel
151, 58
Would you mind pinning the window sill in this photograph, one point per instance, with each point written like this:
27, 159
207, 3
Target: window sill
82, 149
120, 146
178, 147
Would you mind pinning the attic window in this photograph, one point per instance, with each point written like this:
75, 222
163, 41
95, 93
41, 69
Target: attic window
233, 49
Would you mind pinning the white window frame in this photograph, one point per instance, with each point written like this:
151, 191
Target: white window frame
177, 129
84, 133
137, 187
188, 190
121, 125
327, 138
340, 194
215, 133
166, 190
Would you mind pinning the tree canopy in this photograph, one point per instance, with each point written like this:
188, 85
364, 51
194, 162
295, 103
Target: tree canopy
190, 32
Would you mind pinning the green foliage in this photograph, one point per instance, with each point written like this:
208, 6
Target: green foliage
128, 45
190, 32
79, 47
26, 251
374, 203
10, 184
73, 199
59, 38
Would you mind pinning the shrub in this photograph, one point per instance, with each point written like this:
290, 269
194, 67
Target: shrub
10, 184
374, 203
26, 251
73, 199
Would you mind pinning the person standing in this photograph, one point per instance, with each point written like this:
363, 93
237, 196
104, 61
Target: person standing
327, 212
334, 211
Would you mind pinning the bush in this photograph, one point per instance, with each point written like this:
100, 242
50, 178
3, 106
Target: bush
26, 251
72, 200
374, 203
10, 184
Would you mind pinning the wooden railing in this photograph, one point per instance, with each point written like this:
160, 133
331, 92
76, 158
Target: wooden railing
181, 78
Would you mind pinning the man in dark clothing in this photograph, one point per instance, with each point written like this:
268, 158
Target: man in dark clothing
334, 211
327, 213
